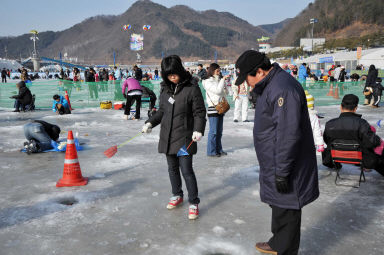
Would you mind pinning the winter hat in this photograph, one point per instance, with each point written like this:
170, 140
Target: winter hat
310, 100
247, 62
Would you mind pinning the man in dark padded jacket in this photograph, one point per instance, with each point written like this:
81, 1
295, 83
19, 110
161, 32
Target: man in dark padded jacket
350, 127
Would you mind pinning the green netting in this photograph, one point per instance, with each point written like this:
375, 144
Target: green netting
91, 94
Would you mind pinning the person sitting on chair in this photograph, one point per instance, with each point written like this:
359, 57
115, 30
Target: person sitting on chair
40, 135
24, 98
60, 105
349, 126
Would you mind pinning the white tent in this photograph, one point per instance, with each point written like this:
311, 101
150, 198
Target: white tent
373, 58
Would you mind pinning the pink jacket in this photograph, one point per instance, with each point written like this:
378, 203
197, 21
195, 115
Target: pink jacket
131, 84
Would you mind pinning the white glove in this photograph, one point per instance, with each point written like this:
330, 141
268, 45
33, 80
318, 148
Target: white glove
147, 128
196, 136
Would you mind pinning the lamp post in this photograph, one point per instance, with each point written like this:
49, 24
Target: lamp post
35, 59
313, 21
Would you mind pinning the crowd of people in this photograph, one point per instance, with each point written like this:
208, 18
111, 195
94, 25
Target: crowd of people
286, 133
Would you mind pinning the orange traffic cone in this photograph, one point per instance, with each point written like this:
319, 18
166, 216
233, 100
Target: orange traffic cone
67, 98
72, 172
330, 93
336, 94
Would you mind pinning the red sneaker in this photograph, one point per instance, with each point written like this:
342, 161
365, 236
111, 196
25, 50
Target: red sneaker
174, 202
193, 212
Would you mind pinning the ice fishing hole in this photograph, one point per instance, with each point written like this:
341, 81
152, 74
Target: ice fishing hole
69, 201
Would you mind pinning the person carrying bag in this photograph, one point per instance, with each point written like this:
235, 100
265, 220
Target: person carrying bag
217, 106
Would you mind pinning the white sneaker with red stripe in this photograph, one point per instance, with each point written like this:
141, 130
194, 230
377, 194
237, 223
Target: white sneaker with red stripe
193, 212
174, 202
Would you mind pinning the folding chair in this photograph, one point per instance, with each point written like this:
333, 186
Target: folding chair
347, 153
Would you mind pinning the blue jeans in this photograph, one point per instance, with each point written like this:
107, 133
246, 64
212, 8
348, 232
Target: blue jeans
36, 131
214, 146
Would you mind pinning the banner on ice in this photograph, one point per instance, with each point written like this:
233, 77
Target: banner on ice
137, 42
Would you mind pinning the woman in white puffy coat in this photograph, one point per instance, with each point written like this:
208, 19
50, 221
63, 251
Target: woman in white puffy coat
215, 90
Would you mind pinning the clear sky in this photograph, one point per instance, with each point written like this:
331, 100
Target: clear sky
19, 17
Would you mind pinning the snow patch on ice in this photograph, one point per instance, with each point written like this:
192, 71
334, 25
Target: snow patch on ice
239, 221
256, 193
206, 245
218, 230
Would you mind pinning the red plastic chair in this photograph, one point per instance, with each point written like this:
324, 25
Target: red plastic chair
347, 154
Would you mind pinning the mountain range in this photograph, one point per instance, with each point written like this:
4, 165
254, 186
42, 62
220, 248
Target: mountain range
194, 34
177, 30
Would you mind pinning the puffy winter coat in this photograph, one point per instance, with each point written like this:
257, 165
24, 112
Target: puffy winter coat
316, 128
62, 101
25, 95
378, 89
302, 73
138, 74
117, 74
148, 93
351, 127
284, 141
336, 73
131, 84
53, 131
371, 78
215, 90
181, 118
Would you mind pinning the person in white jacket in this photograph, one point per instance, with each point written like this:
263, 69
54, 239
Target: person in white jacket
241, 98
215, 90
315, 123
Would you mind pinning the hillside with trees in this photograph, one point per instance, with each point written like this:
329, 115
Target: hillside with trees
337, 19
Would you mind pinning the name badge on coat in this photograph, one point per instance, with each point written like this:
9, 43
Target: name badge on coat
171, 100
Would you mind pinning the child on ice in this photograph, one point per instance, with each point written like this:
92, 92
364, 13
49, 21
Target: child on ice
315, 123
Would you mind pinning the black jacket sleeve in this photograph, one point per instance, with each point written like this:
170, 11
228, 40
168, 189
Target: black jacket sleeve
22, 93
368, 138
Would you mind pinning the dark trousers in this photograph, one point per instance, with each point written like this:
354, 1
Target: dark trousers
184, 163
129, 103
286, 231
18, 104
4, 79
63, 110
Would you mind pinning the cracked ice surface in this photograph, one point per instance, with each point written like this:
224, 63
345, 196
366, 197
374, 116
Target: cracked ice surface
123, 208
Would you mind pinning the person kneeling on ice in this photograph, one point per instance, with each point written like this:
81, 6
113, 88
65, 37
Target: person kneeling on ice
60, 105
349, 128
182, 118
40, 136
315, 123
